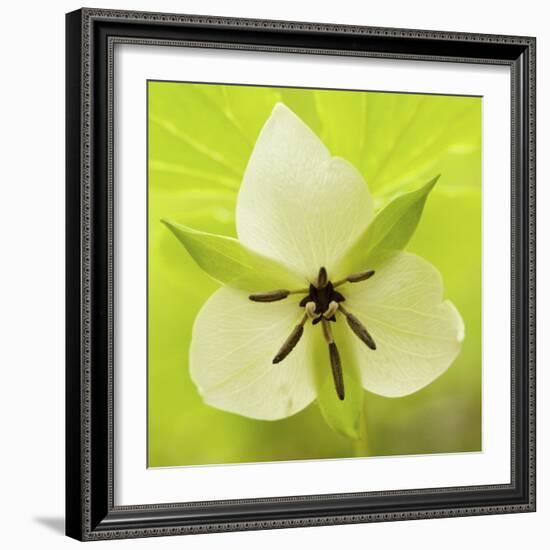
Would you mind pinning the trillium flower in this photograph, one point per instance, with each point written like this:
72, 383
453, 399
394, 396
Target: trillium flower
319, 301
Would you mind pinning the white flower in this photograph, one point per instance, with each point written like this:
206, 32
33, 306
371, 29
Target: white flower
316, 287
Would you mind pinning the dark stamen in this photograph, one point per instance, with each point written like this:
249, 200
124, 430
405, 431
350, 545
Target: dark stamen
272, 296
275, 295
321, 303
291, 341
358, 277
335, 362
358, 328
322, 278
336, 370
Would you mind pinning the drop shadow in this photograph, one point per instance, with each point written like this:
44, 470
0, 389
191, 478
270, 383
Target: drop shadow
55, 524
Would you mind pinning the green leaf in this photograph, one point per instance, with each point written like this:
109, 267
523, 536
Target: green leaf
391, 229
407, 137
343, 117
343, 416
228, 261
394, 226
182, 121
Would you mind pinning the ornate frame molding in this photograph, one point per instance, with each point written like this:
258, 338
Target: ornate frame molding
91, 36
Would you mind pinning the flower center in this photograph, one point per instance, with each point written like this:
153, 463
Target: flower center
322, 295
321, 303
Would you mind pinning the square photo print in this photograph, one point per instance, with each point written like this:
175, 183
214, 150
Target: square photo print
314, 274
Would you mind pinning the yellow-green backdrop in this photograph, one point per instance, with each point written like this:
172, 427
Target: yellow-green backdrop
200, 138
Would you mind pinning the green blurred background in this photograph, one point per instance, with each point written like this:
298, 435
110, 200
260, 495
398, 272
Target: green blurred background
200, 138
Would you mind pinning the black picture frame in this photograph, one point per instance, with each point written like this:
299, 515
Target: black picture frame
90, 510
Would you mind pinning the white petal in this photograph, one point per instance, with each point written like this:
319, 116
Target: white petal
417, 334
234, 342
298, 204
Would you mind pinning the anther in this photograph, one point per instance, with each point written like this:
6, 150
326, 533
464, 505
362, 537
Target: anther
335, 361
322, 278
276, 295
356, 277
358, 328
291, 341
361, 276
336, 370
272, 296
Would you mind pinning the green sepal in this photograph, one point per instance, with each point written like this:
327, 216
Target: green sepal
391, 229
229, 262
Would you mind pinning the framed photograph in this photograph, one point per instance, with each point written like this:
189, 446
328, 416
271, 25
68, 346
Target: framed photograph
300, 274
